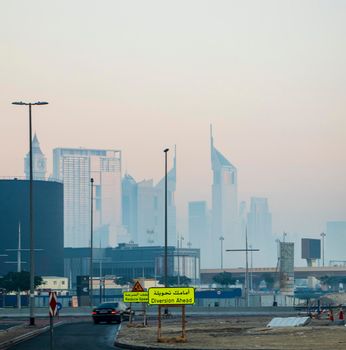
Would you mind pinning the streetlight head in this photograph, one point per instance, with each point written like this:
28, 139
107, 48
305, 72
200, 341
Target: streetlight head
166, 150
39, 103
19, 103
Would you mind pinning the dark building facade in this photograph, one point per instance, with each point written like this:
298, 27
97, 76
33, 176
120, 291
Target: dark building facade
48, 226
132, 261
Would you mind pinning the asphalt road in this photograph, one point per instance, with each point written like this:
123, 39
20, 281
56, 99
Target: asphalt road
84, 335
4, 326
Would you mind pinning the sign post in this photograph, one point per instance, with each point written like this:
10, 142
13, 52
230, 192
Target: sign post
172, 297
53, 309
137, 295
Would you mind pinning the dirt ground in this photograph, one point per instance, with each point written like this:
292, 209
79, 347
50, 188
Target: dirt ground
238, 333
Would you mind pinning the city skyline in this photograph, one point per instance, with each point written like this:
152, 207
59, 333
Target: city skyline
148, 191
269, 79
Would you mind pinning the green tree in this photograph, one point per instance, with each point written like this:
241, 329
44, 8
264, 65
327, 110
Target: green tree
14, 281
269, 280
224, 278
122, 280
333, 281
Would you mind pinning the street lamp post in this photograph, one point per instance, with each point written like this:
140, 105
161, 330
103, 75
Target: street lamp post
166, 267
31, 216
221, 241
166, 238
91, 239
178, 252
323, 235
251, 268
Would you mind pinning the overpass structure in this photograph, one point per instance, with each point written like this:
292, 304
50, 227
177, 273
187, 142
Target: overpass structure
258, 272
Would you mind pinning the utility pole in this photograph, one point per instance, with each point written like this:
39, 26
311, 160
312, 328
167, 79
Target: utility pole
251, 268
31, 215
91, 239
246, 250
166, 227
246, 271
178, 252
166, 238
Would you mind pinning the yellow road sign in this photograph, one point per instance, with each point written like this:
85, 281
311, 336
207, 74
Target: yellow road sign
171, 296
135, 297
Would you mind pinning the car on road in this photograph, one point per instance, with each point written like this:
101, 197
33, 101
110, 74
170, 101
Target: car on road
109, 312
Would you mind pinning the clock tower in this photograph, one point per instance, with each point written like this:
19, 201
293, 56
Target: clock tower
39, 162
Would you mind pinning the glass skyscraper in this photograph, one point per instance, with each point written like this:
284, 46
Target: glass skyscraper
224, 208
259, 228
75, 167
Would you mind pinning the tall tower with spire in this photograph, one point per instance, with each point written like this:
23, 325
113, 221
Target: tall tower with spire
39, 162
224, 206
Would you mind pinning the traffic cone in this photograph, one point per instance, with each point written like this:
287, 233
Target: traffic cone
330, 315
341, 314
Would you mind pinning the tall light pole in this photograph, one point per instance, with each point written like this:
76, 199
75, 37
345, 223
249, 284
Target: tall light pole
166, 238
323, 235
166, 267
31, 216
246, 269
221, 241
251, 268
91, 238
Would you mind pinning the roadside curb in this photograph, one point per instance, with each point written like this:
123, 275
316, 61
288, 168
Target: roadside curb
148, 347
26, 336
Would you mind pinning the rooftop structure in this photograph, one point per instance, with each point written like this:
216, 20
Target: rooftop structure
39, 162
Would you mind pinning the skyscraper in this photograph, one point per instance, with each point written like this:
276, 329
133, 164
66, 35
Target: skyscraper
75, 167
129, 206
335, 243
39, 162
224, 207
146, 209
199, 228
150, 210
259, 228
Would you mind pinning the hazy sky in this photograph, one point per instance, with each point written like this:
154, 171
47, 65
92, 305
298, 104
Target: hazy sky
142, 75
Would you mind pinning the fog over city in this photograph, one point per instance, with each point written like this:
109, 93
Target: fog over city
141, 76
